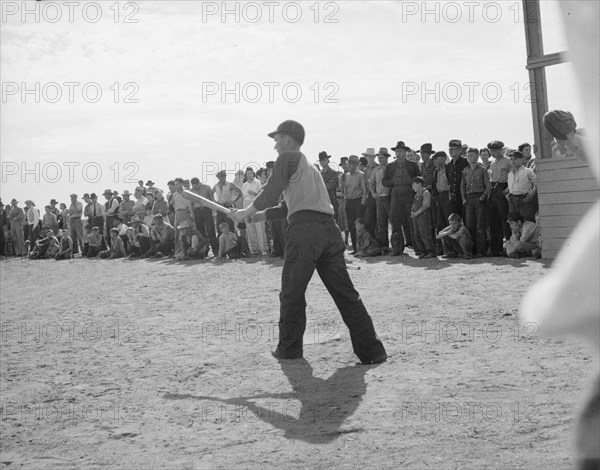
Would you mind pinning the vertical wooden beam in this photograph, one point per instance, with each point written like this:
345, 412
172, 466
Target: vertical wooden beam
537, 76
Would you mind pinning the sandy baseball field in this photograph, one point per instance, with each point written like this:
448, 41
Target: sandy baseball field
165, 364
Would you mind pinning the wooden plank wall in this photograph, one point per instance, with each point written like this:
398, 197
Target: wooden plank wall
567, 189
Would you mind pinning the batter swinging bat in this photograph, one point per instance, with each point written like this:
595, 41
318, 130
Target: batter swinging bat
190, 196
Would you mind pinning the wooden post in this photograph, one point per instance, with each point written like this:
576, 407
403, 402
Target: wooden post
537, 75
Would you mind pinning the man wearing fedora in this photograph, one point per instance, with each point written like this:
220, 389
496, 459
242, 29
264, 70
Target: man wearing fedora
126, 207
454, 171
342, 218
17, 220
314, 243
354, 188
75, 224
331, 180
111, 206
499, 228
398, 177
381, 195
370, 206
33, 221
226, 194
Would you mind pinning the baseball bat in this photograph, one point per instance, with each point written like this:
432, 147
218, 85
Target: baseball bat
190, 196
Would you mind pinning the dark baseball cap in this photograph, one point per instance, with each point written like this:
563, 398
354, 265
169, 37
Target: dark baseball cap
455, 144
292, 128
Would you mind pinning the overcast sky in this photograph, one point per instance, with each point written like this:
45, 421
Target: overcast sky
355, 74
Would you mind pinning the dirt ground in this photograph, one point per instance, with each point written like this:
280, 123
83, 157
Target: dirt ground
163, 364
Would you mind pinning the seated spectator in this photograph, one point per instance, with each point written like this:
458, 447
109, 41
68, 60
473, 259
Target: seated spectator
162, 238
365, 243
53, 248
142, 234
456, 239
421, 218
40, 247
87, 230
117, 247
230, 245
524, 240
133, 244
66, 246
149, 217
95, 241
193, 244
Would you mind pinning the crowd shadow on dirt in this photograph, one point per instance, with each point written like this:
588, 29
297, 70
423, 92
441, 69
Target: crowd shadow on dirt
314, 411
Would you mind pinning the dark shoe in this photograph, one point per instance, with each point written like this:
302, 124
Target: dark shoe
478, 255
449, 256
377, 360
397, 253
353, 252
513, 255
280, 357
429, 255
495, 254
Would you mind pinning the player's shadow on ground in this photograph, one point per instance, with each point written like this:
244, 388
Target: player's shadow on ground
313, 412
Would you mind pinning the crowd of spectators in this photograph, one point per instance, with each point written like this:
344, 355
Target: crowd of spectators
469, 202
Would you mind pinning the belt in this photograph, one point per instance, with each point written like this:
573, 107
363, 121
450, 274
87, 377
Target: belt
518, 196
184, 209
499, 185
442, 192
308, 217
475, 194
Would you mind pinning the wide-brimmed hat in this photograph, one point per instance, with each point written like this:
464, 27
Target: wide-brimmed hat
353, 159
30, 202
53, 201
86, 196
127, 193
384, 151
108, 191
221, 174
400, 145
93, 196
73, 195
149, 182
427, 148
323, 156
14, 201
370, 152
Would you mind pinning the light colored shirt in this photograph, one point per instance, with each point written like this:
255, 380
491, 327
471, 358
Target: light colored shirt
33, 216
179, 203
375, 186
442, 180
354, 185
530, 233
255, 186
75, 210
521, 181
225, 194
500, 168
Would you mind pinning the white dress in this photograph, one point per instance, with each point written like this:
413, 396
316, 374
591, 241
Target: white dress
257, 239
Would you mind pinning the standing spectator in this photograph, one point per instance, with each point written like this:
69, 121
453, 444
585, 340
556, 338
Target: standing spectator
441, 193
141, 186
203, 216
87, 214
226, 194
370, 205
97, 215
331, 181
398, 178
111, 206
528, 157
499, 228
428, 166
454, 170
381, 195
139, 206
183, 209
63, 219
256, 230
76, 224
521, 188
33, 221
3, 229
169, 198
421, 217
55, 210
354, 188
49, 221
160, 206
278, 227
484, 155
126, 207
475, 190
342, 218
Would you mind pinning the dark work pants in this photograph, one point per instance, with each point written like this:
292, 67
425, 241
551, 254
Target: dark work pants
475, 221
384, 215
401, 204
320, 246
278, 228
423, 237
456, 205
205, 224
499, 228
371, 215
526, 209
354, 210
